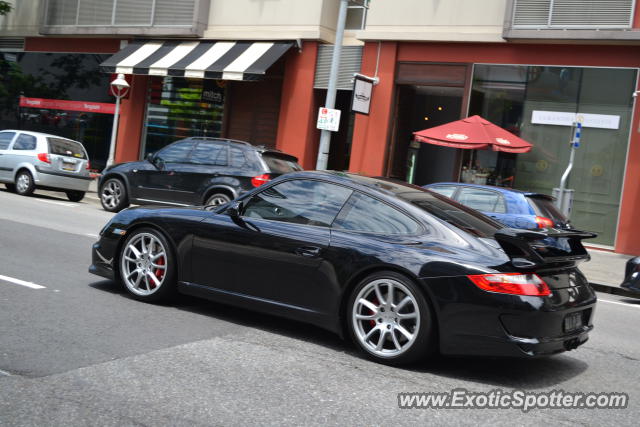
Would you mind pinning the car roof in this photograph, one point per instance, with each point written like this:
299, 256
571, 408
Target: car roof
259, 148
503, 190
46, 135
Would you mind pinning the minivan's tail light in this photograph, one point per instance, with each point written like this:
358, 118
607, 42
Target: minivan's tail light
44, 157
512, 283
88, 167
544, 222
257, 181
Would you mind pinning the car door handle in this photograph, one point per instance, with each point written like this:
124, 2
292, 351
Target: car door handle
309, 251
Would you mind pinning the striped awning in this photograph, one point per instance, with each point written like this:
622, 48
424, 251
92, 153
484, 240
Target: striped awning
208, 59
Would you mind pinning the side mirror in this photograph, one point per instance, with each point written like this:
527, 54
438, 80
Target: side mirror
235, 210
151, 157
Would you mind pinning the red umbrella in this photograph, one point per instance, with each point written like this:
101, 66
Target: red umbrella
473, 133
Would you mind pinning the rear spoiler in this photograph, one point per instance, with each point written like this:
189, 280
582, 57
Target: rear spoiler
531, 249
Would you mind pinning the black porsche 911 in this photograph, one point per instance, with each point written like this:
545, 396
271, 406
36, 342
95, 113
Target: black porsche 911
403, 271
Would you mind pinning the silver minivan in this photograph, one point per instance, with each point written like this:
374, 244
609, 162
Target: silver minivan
30, 160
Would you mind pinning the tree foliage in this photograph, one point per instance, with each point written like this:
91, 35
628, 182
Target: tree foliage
5, 7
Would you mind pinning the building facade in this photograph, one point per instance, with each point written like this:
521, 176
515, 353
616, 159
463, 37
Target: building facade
530, 66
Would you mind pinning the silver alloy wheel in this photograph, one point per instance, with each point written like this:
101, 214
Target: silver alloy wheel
218, 199
143, 264
23, 183
112, 193
386, 318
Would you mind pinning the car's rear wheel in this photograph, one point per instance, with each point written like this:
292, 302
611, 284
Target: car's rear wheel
11, 187
75, 196
113, 195
147, 265
217, 199
24, 183
390, 319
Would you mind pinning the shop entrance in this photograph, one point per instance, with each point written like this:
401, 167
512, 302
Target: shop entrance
422, 107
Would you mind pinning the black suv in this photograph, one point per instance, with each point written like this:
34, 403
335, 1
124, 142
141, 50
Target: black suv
193, 171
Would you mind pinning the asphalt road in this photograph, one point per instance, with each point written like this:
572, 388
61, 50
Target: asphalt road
79, 351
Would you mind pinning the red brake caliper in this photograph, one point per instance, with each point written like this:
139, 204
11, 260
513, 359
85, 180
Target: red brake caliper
373, 322
159, 271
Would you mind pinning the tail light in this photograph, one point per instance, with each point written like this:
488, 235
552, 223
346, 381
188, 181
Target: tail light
257, 181
511, 283
44, 157
544, 222
88, 167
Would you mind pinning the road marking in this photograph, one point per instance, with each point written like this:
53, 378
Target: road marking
4, 373
95, 236
58, 203
620, 303
21, 282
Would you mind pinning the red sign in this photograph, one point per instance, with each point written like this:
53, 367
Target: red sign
59, 104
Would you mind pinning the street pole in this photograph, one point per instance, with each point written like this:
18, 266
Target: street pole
325, 135
119, 87
114, 132
575, 141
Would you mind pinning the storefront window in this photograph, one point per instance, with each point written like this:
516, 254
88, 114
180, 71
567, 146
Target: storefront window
538, 103
53, 79
178, 108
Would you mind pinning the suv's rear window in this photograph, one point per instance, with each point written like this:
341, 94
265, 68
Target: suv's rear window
545, 207
65, 147
280, 164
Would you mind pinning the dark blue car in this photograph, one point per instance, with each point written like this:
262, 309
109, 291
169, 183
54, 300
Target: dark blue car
514, 208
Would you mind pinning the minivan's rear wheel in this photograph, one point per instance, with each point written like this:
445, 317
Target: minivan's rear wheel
113, 195
390, 319
24, 183
75, 196
147, 266
217, 199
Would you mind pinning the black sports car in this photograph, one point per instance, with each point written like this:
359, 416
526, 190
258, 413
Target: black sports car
402, 270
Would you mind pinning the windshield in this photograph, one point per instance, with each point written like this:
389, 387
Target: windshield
545, 207
453, 213
280, 164
66, 147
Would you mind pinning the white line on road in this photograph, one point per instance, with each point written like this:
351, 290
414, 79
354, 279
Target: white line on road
58, 203
95, 236
4, 373
619, 303
21, 282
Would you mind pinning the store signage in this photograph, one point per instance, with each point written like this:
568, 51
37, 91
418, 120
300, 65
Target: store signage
328, 119
361, 101
60, 104
212, 92
559, 118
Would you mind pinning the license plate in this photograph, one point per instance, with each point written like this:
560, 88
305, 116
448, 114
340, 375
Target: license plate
69, 166
573, 322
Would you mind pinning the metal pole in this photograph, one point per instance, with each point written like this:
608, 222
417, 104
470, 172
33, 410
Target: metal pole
114, 132
563, 181
325, 135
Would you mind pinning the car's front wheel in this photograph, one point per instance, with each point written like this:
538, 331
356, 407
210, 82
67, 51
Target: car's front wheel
24, 183
147, 266
390, 319
113, 195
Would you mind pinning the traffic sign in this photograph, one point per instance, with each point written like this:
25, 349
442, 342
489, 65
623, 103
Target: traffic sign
328, 119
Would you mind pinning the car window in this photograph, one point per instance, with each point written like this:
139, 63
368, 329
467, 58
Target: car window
178, 152
366, 214
445, 190
482, 200
66, 147
25, 142
299, 201
237, 157
454, 213
545, 207
5, 139
280, 164
210, 153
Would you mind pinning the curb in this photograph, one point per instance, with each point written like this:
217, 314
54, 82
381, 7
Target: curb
615, 290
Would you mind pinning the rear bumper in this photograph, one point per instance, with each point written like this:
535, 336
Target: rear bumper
474, 322
61, 180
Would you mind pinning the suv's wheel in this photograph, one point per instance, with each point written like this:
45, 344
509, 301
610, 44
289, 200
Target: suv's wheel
113, 195
75, 196
390, 319
11, 187
217, 199
24, 183
147, 265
